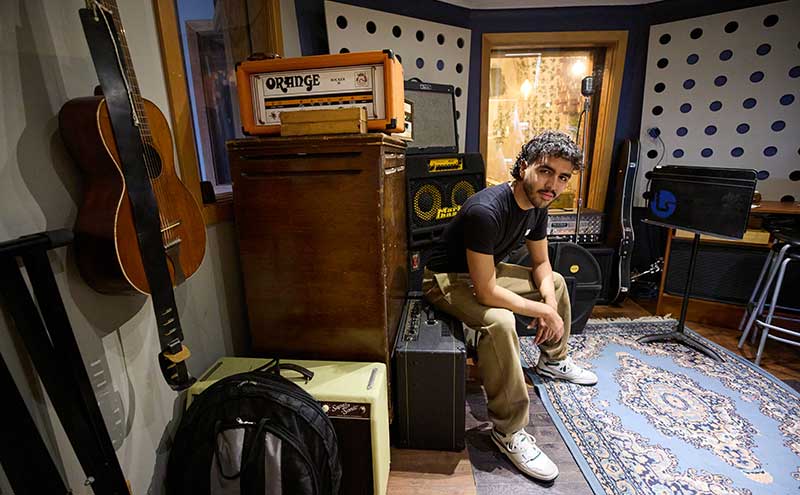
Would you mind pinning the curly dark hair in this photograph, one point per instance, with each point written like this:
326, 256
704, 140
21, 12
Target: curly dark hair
554, 144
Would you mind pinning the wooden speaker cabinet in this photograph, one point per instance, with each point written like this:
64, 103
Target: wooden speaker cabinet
322, 240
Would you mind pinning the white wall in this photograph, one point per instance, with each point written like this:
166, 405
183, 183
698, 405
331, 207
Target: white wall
44, 61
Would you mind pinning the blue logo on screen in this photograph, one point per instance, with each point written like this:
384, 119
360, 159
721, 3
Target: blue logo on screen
663, 205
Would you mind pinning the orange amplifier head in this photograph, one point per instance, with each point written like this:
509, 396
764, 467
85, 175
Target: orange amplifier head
373, 80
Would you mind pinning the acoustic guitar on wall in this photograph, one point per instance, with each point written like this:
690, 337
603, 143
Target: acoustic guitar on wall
106, 243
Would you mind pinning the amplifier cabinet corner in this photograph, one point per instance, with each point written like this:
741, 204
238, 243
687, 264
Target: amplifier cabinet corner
321, 228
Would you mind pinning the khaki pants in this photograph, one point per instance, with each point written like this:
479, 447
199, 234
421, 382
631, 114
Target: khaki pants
498, 346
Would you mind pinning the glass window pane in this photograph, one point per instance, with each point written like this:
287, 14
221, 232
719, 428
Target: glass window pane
531, 91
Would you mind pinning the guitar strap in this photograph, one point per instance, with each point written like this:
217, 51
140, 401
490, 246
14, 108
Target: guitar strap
105, 49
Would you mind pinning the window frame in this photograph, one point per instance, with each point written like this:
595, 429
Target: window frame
615, 43
172, 56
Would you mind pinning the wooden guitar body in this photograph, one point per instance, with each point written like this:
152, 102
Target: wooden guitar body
106, 243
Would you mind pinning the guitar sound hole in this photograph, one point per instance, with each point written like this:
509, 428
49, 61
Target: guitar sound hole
152, 161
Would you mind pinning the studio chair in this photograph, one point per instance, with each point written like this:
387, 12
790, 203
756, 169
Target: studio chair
785, 251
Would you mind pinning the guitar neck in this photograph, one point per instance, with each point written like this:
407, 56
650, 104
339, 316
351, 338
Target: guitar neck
137, 105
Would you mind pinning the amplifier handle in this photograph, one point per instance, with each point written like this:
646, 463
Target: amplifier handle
275, 366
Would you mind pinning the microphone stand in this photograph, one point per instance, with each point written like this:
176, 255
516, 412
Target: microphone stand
587, 90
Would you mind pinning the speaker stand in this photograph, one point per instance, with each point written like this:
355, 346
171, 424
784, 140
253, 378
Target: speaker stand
679, 334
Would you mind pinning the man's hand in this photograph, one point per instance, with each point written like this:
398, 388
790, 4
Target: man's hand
551, 327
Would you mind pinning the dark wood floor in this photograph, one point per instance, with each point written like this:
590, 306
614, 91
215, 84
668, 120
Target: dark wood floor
419, 472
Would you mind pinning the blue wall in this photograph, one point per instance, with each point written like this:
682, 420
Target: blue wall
635, 19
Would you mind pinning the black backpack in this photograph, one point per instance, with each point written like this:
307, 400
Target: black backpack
255, 433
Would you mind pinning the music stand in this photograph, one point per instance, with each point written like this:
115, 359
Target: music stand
703, 200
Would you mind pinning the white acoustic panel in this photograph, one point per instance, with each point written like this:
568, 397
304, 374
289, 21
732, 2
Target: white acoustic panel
433, 52
724, 91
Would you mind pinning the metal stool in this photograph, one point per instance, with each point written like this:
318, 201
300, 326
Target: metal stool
783, 252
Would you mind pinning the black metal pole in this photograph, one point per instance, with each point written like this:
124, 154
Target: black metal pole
689, 277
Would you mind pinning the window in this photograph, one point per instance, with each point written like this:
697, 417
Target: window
532, 91
528, 84
211, 37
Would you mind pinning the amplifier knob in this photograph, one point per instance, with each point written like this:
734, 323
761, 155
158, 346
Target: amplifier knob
326, 408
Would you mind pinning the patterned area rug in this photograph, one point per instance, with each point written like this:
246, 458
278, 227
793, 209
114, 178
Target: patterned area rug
665, 419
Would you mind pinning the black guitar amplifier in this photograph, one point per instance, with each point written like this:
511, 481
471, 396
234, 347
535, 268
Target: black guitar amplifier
429, 371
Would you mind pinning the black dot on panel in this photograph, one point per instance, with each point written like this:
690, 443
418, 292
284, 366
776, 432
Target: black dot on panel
662, 62
763, 49
440, 64
664, 39
659, 87
420, 35
787, 199
770, 20
692, 59
731, 27
778, 125
399, 58
794, 71
344, 50
688, 84
706, 152
420, 63
652, 154
341, 21
742, 128
460, 42
725, 55
787, 99
657, 110
397, 32
696, 33
756, 76
371, 27
737, 152
686, 108
762, 175
459, 68
440, 38
458, 91
710, 130
749, 103
715, 105
720, 81
677, 153
794, 176
458, 115
682, 131
770, 151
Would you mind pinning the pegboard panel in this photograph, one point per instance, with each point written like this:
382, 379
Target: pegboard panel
723, 90
433, 52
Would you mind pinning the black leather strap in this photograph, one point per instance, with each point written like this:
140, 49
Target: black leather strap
57, 359
130, 148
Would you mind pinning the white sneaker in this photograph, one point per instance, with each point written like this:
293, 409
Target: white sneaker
565, 370
520, 447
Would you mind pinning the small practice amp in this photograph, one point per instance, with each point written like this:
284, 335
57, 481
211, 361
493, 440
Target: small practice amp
429, 367
561, 225
354, 396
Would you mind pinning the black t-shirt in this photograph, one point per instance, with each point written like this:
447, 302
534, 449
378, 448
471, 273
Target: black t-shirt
489, 222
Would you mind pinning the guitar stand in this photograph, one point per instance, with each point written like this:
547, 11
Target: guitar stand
679, 334
44, 327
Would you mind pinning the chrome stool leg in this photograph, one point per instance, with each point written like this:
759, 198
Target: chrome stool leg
751, 302
768, 323
777, 259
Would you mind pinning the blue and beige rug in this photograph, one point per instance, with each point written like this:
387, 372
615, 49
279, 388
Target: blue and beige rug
665, 419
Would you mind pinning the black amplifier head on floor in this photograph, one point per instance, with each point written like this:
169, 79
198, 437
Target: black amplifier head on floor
707, 200
433, 117
438, 185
